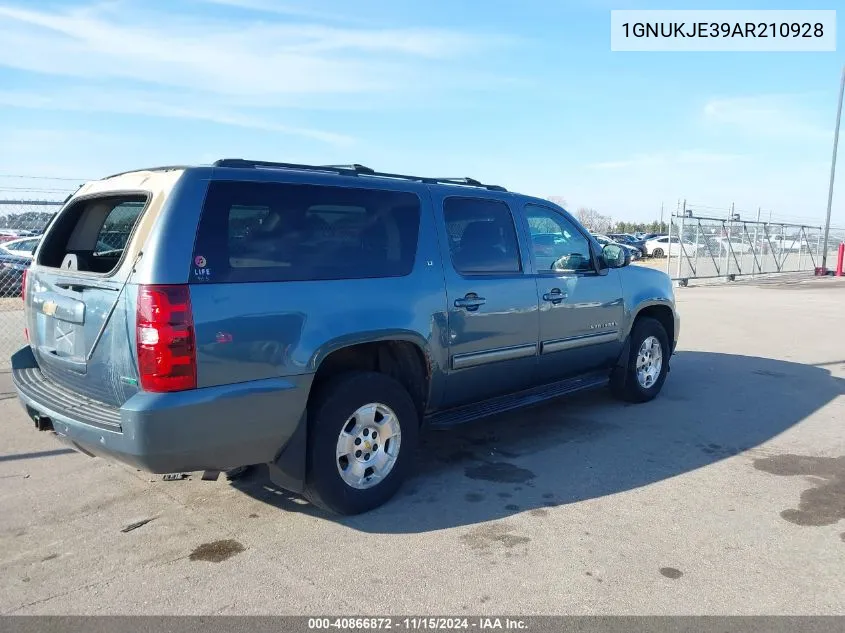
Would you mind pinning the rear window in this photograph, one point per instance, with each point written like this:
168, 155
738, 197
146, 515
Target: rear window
287, 232
91, 234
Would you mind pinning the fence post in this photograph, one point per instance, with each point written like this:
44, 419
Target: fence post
681, 252
729, 248
669, 243
697, 231
754, 247
802, 237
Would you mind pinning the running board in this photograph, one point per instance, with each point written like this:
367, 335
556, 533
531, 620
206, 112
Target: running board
500, 404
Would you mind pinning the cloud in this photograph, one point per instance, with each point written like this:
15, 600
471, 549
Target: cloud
236, 71
278, 8
136, 103
257, 58
771, 116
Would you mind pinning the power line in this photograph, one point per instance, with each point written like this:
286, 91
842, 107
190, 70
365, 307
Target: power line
34, 190
45, 178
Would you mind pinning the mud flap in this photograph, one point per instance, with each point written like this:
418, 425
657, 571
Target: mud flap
619, 375
288, 469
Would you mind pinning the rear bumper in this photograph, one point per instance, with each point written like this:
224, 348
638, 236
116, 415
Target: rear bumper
214, 428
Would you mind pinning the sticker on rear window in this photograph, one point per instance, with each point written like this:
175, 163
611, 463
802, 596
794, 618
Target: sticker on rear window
201, 270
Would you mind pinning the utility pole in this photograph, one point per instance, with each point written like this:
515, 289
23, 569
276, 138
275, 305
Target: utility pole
832, 170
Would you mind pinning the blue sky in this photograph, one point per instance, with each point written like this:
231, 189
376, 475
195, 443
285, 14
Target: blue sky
524, 94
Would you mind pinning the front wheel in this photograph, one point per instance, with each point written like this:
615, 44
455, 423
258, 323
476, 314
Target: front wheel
644, 373
658, 252
363, 429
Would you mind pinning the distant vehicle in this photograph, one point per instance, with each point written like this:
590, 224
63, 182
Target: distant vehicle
7, 235
736, 245
20, 248
12, 268
789, 243
635, 252
664, 245
630, 240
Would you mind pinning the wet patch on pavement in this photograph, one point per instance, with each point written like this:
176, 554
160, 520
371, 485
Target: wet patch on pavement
500, 472
485, 538
821, 504
216, 551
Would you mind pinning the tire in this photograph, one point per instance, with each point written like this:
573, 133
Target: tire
329, 413
658, 252
624, 382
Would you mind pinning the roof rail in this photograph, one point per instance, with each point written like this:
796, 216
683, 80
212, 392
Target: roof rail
353, 169
361, 169
132, 171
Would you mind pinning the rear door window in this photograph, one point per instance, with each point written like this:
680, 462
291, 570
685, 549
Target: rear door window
289, 232
91, 234
482, 237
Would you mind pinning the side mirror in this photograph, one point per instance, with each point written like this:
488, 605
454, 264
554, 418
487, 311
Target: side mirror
615, 256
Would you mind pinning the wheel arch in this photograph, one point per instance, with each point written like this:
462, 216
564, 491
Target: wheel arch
399, 354
659, 310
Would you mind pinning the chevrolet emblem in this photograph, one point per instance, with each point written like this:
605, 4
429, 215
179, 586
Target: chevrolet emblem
367, 445
49, 308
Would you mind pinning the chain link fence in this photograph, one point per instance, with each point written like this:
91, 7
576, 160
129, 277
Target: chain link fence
702, 247
21, 225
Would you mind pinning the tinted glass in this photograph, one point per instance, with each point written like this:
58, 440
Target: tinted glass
482, 237
287, 232
558, 245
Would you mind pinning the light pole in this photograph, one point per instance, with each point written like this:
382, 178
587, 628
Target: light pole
832, 171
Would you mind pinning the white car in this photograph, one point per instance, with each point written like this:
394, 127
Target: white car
663, 245
20, 248
733, 244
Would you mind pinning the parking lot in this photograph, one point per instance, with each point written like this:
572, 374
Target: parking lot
726, 495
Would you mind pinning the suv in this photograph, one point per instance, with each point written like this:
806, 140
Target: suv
315, 318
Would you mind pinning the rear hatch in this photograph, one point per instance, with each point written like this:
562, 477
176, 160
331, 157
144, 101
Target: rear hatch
80, 308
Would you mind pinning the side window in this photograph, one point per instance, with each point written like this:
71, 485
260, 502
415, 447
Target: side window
558, 245
482, 237
290, 232
112, 238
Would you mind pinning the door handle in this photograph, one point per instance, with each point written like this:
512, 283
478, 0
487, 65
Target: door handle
470, 302
555, 296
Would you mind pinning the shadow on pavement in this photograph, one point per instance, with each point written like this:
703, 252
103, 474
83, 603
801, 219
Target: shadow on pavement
37, 455
713, 406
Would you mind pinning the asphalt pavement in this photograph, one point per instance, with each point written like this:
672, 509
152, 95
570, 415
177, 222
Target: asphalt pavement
726, 495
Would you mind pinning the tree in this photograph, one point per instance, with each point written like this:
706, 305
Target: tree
594, 221
558, 200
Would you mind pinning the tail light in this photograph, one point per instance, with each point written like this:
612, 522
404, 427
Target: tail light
23, 284
165, 337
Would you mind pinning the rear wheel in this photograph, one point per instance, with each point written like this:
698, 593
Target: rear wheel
644, 373
363, 429
658, 252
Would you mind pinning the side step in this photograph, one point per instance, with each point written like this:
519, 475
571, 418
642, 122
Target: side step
500, 404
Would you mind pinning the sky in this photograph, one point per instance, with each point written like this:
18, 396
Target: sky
524, 94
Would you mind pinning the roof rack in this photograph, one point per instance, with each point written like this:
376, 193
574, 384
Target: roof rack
353, 169
132, 171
